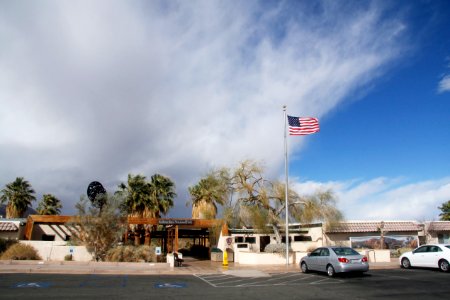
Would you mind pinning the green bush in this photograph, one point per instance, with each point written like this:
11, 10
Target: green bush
5, 244
398, 252
21, 252
276, 248
131, 254
68, 257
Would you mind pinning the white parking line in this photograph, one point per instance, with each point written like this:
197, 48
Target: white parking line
232, 281
201, 278
327, 280
303, 277
282, 278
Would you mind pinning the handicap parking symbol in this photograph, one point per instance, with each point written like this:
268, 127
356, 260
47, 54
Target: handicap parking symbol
32, 285
170, 285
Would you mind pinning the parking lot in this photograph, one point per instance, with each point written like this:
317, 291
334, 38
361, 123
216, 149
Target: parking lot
386, 284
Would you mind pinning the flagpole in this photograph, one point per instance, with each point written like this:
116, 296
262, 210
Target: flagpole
286, 185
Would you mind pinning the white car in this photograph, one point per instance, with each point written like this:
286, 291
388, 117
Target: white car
428, 256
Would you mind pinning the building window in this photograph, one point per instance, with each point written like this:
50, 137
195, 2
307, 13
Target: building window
250, 240
48, 237
302, 238
443, 238
238, 239
283, 239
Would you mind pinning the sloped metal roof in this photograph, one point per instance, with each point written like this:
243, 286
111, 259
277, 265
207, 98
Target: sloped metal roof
389, 226
439, 226
8, 226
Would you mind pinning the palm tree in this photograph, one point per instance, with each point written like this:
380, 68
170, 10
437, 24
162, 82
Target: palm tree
137, 202
49, 205
147, 199
209, 192
18, 195
137, 196
162, 193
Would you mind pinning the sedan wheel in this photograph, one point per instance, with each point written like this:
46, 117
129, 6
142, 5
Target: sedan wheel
443, 265
304, 267
330, 271
406, 264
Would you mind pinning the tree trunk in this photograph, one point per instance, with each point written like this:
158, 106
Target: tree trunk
137, 237
276, 230
147, 237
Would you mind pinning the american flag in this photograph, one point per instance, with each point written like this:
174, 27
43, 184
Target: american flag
302, 125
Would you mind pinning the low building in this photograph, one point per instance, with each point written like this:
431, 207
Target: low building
438, 232
376, 234
12, 229
302, 237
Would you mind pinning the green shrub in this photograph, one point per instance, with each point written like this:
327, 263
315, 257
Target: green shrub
68, 257
398, 252
276, 248
5, 244
21, 252
131, 254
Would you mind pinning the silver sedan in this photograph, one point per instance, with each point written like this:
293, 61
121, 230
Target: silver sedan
334, 260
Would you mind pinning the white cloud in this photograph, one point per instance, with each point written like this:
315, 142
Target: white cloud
444, 84
93, 90
385, 198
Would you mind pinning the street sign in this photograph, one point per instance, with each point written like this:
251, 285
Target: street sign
158, 250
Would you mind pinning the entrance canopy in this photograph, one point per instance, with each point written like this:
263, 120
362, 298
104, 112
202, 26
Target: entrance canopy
173, 225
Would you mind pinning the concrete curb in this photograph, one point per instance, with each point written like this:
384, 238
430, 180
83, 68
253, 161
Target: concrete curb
191, 267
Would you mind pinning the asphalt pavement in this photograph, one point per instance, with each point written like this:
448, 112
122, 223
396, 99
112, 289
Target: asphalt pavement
232, 284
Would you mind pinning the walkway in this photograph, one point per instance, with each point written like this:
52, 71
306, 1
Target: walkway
190, 266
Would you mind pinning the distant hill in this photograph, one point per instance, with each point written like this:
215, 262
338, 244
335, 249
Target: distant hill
30, 211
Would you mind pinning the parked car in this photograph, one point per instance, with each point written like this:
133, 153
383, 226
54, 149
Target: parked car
334, 260
428, 256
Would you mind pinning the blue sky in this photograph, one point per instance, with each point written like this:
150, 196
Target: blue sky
396, 135
95, 90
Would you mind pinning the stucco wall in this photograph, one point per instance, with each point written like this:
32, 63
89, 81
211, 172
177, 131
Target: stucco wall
57, 250
9, 235
250, 258
59, 231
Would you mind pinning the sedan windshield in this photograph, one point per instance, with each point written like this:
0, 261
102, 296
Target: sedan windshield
345, 251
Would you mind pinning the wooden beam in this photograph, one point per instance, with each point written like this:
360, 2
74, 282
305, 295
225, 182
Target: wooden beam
29, 228
176, 239
142, 221
182, 223
225, 229
196, 223
52, 219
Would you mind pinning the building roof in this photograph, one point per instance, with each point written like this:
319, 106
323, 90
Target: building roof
439, 226
374, 226
8, 226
